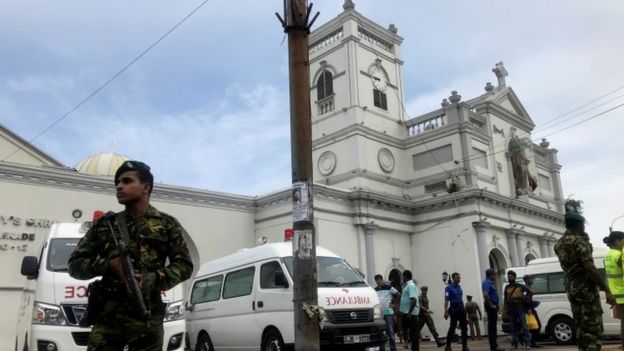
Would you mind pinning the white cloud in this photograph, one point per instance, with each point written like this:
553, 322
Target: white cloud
208, 106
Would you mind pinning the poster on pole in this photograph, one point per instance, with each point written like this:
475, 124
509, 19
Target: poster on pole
302, 245
301, 202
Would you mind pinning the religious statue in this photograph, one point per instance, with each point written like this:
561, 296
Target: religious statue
524, 181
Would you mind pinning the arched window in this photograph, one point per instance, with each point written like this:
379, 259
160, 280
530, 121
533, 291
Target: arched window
324, 85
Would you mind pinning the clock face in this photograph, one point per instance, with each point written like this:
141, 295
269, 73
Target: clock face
379, 79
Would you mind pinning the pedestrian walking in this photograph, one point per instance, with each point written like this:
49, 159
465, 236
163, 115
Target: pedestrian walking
160, 256
473, 311
410, 309
514, 309
531, 306
386, 292
424, 318
490, 298
615, 275
454, 308
582, 280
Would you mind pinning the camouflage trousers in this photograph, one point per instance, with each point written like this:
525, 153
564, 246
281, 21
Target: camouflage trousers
120, 330
587, 314
425, 319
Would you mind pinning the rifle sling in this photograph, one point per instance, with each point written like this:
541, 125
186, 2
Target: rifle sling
123, 227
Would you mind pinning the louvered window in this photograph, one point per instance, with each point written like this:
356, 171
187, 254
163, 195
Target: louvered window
324, 85
380, 99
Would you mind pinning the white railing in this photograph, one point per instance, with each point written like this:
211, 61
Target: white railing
425, 125
326, 41
374, 40
325, 105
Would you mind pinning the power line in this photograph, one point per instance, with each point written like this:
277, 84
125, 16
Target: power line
555, 132
404, 110
542, 127
115, 76
584, 105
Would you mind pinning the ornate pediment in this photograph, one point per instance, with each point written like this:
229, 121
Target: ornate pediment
15, 149
508, 100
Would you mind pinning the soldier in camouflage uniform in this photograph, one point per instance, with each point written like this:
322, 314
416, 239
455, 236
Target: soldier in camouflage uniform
424, 316
582, 282
154, 237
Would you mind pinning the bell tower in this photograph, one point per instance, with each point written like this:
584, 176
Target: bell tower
356, 97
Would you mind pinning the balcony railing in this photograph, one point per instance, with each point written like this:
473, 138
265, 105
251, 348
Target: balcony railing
423, 125
326, 105
326, 41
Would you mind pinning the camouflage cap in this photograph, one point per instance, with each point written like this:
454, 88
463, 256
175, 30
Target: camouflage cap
574, 216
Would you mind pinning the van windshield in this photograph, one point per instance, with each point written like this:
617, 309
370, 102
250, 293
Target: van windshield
331, 271
59, 252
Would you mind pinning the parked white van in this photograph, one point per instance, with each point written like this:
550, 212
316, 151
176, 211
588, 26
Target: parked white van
554, 310
244, 301
53, 303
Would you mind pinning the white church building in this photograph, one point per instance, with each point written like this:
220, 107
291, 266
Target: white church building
458, 189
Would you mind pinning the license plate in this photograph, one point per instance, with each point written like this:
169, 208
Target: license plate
356, 339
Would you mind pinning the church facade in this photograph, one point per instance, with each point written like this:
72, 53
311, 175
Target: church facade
460, 188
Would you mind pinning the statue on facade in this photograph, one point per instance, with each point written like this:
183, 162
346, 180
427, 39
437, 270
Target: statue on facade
518, 147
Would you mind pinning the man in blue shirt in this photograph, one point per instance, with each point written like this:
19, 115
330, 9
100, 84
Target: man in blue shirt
409, 309
490, 298
454, 308
385, 292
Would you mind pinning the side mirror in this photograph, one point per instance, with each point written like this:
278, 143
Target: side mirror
189, 306
280, 280
30, 267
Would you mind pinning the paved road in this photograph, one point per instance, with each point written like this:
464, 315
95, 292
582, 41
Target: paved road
505, 343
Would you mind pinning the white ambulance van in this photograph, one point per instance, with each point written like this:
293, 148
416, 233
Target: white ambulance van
53, 303
554, 310
244, 301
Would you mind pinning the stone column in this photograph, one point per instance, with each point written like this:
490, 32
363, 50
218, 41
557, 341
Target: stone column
369, 247
482, 246
551, 247
519, 251
512, 182
512, 244
543, 248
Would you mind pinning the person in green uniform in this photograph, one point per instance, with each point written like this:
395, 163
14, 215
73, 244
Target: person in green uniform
615, 274
152, 238
424, 318
473, 311
582, 281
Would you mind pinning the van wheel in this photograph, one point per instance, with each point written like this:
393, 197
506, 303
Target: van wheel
562, 329
272, 341
204, 343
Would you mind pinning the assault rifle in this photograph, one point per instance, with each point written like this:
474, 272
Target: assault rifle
132, 285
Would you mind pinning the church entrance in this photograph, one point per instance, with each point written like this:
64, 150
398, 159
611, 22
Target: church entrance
499, 264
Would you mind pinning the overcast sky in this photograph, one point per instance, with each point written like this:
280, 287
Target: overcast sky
207, 107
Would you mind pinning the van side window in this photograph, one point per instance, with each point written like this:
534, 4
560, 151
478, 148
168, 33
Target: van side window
540, 283
207, 290
267, 275
238, 283
556, 283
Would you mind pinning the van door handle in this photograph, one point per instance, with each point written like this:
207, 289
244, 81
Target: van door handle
260, 304
253, 305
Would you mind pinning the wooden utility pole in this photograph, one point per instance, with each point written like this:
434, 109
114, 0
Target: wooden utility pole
295, 23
